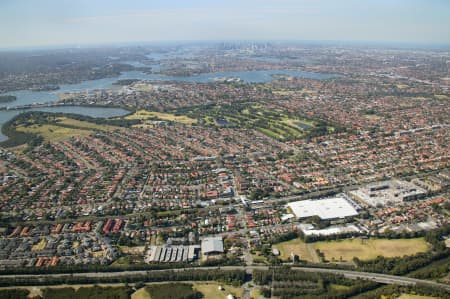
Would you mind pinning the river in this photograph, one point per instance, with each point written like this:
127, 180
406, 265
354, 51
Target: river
27, 97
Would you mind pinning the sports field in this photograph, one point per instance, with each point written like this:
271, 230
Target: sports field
345, 250
151, 115
296, 246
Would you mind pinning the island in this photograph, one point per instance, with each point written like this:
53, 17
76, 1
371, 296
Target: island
125, 82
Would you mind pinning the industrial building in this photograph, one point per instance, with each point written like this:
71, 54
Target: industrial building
327, 209
388, 193
170, 254
211, 246
348, 229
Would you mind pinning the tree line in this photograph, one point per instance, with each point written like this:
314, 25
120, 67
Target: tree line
234, 277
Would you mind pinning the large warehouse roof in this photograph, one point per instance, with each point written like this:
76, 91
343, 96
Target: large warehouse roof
212, 245
329, 208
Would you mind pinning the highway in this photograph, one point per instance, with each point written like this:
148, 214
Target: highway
376, 277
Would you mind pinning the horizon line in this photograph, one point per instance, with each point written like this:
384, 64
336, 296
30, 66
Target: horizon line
87, 45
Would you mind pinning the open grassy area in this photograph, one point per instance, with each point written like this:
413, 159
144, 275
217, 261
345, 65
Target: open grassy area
126, 260
132, 250
211, 290
370, 249
141, 294
85, 124
272, 122
338, 287
408, 296
53, 133
298, 122
151, 115
89, 292
172, 290
121, 261
296, 246
36, 291
64, 128
259, 259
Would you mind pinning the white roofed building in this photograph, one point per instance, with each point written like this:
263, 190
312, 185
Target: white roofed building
328, 208
212, 245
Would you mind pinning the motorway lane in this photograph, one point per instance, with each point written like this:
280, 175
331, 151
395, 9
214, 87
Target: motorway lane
376, 277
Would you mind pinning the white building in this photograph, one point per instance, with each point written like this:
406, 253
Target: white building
212, 246
328, 208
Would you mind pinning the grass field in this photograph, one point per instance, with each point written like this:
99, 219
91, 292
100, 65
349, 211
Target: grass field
296, 246
295, 122
274, 123
408, 296
121, 261
141, 294
257, 259
36, 291
370, 249
338, 287
211, 290
54, 133
151, 115
85, 124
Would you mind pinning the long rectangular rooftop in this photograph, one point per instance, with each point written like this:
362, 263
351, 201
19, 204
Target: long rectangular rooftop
328, 208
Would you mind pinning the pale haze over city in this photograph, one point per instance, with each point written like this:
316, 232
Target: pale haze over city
52, 22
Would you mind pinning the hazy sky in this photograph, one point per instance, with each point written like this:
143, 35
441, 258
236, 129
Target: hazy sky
53, 22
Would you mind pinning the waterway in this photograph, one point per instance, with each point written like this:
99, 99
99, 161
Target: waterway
27, 97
